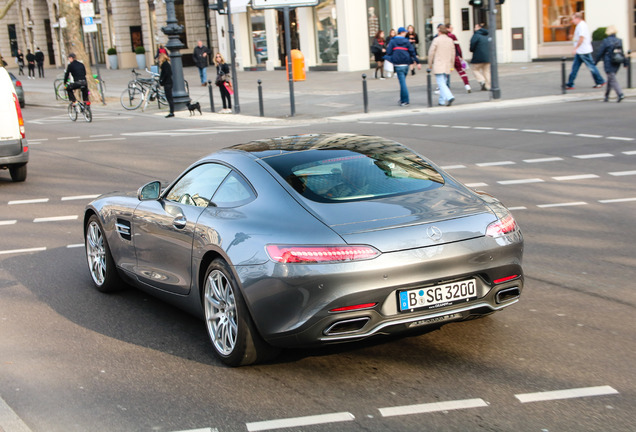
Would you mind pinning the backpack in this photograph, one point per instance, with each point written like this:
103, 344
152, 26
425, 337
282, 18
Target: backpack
617, 56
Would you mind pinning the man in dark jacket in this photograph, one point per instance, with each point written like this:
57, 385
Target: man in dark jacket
606, 51
39, 59
200, 55
480, 47
30, 57
78, 72
401, 53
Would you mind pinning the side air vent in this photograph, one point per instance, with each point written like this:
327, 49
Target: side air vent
123, 228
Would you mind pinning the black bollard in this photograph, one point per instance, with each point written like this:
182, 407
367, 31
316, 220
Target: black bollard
211, 96
365, 95
563, 89
629, 69
261, 110
429, 89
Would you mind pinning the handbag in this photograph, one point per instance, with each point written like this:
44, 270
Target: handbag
388, 68
617, 57
228, 87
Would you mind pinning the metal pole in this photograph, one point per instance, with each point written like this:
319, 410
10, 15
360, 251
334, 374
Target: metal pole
429, 88
210, 90
365, 95
290, 77
237, 106
492, 32
563, 74
261, 110
173, 30
629, 69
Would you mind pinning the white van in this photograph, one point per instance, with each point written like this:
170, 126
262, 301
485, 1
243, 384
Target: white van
14, 149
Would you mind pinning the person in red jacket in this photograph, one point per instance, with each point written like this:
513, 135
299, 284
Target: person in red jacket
459, 59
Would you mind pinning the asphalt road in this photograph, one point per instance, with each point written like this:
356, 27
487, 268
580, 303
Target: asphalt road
72, 359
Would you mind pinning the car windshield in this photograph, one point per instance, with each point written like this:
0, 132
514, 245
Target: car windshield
336, 175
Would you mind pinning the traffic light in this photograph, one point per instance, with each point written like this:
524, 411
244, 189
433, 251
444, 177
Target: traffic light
476, 3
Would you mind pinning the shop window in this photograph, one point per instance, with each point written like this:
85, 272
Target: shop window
327, 31
465, 19
259, 39
557, 19
379, 17
180, 14
135, 37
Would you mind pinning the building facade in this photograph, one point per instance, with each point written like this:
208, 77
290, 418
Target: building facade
335, 34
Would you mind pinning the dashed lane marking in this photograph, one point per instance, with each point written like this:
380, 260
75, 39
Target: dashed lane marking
100, 140
100, 136
432, 407
541, 160
593, 156
589, 135
499, 163
533, 130
55, 219
21, 251
68, 138
622, 173
521, 181
29, 201
507, 129
617, 200
629, 153
559, 133
569, 204
76, 245
620, 138
452, 167
79, 197
474, 185
575, 177
9, 222
566, 394
300, 421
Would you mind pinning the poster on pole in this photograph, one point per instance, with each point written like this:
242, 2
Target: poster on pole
275, 4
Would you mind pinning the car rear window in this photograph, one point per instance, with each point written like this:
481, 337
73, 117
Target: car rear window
336, 175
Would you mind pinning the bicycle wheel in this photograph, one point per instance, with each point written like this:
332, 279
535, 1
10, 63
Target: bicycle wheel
72, 112
131, 98
88, 114
161, 98
60, 91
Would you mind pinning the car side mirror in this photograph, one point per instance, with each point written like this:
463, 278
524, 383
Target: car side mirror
149, 191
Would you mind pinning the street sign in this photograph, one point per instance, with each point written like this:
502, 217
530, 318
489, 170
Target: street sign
274, 4
87, 9
89, 25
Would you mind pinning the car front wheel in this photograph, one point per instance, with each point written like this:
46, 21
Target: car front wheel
100, 261
232, 333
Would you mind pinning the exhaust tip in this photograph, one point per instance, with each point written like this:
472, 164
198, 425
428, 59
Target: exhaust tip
507, 294
346, 326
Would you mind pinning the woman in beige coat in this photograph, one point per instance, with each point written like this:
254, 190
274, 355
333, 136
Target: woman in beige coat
441, 57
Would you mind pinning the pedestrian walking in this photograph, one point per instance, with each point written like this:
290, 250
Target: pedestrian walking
19, 59
480, 47
39, 59
30, 57
223, 82
160, 50
412, 37
392, 34
165, 79
379, 49
441, 57
200, 55
401, 53
459, 59
611, 52
583, 53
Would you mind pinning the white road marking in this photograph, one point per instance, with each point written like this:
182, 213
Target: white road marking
575, 177
100, 136
200, 430
79, 197
401, 124
617, 200
622, 173
68, 138
559, 133
100, 140
440, 126
451, 167
500, 163
593, 156
540, 160
432, 407
420, 124
620, 138
517, 208
629, 153
29, 201
76, 245
589, 136
9, 222
460, 127
566, 394
9, 420
578, 203
55, 218
532, 130
483, 128
507, 129
36, 140
474, 185
300, 421
521, 181
19, 251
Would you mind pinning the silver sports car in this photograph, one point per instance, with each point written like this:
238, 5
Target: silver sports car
310, 239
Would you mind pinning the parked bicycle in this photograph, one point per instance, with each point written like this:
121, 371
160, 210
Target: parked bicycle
142, 91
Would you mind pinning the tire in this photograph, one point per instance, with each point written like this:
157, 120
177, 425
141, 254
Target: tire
60, 91
72, 112
18, 172
101, 265
131, 98
88, 114
227, 320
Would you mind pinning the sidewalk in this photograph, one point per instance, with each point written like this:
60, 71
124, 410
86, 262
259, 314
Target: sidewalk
332, 95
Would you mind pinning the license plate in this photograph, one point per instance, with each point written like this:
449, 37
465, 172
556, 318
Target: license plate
438, 296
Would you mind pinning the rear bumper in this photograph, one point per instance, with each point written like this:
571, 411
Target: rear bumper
13, 152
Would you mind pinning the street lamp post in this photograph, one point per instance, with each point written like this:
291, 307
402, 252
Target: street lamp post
173, 30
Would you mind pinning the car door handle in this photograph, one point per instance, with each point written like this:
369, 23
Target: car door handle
179, 222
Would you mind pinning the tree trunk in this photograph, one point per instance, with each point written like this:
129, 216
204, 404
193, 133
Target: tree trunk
74, 43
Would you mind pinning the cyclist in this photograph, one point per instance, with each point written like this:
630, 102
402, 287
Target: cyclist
78, 71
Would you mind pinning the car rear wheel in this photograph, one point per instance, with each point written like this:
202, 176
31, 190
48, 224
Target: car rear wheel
100, 261
18, 172
228, 322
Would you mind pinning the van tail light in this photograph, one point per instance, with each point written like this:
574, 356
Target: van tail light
20, 119
503, 226
320, 254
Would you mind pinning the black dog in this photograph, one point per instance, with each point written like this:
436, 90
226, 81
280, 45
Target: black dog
194, 107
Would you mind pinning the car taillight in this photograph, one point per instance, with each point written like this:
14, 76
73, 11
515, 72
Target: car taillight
502, 226
505, 279
18, 84
20, 119
320, 254
354, 307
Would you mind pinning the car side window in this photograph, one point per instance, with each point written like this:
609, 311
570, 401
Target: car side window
234, 191
198, 185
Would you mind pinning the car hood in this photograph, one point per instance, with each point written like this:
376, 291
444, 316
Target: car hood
408, 221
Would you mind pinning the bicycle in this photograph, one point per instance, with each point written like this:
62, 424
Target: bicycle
60, 87
142, 91
83, 107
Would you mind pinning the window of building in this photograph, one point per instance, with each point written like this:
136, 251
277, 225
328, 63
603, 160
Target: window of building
379, 17
180, 14
135, 37
556, 19
259, 39
480, 16
327, 31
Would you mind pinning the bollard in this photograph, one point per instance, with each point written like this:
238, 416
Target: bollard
365, 95
429, 89
261, 111
629, 69
563, 89
211, 97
